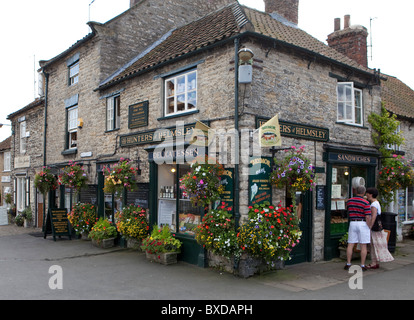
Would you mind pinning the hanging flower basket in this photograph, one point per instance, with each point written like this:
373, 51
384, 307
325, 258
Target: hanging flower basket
119, 177
295, 172
73, 176
45, 181
395, 174
202, 183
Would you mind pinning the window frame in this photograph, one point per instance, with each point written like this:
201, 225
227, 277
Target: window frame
176, 93
113, 113
350, 116
73, 78
7, 161
23, 137
72, 127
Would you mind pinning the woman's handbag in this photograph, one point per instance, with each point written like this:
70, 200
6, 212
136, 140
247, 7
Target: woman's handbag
377, 226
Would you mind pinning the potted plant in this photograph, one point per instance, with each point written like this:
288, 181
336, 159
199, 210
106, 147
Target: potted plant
73, 176
161, 246
82, 217
119, 177
8, 199
269, 235
45, 181
28, 217
217, 234
19, 220
132, 224
202, 184
103, 234
295, 172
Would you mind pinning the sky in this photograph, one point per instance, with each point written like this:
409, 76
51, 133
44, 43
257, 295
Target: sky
40, 30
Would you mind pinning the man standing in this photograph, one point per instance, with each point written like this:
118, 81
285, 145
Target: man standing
359, 215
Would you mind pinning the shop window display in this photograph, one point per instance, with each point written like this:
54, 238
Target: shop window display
343, 179
171, 201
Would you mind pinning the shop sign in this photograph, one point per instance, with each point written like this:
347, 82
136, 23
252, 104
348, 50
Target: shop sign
138, 115
296, 130
348, 158
153, 136
170, 154
57, 223
260, 189
227, 180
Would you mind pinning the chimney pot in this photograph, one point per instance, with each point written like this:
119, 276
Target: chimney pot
347, 21
337, 24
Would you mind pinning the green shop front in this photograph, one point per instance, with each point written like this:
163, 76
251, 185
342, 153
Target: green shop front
168, 162
346, 168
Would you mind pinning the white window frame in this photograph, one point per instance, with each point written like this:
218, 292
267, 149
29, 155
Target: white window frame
74, 73
20, 193
72, 126
23, 137
352, 106
113, 113
186, 89
7, 161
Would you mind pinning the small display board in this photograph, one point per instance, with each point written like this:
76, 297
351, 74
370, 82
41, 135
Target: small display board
57, 224
320, 197
260, 189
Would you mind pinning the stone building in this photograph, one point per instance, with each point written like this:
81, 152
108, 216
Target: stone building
5, 169
27, 157
156, 69
293, 75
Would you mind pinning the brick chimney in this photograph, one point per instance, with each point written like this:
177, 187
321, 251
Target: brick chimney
288, 9
351, 41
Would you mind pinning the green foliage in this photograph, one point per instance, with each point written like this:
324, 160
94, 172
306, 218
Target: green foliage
385, 126
161, 240
103, 229
217, 232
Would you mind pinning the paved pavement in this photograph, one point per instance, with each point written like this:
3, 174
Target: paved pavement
93, 273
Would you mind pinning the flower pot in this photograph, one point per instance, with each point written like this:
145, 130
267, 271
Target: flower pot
165, 258
104, 243
28, 223
85, 236
134, 244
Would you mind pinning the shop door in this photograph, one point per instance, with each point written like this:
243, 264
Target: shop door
302, 252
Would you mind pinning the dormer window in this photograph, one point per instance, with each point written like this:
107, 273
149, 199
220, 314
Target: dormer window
349, 104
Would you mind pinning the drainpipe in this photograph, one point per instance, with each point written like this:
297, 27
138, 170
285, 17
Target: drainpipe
44, 144
45, 125
236, 128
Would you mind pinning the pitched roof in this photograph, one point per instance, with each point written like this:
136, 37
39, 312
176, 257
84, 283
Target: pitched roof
37, 102
5, 144
223, 25
398, 97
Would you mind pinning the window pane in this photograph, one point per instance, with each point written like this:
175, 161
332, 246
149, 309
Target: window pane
180, 84
192, 81
192, 100
341, 92
170, 105
341, 111
109, 113
170, 88
117, 112
181, 103
348, 114
72, 118
73, 139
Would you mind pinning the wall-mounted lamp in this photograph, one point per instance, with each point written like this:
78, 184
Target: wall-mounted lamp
245, 65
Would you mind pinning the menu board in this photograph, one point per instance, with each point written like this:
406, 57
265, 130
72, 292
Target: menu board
57, 223
260, 189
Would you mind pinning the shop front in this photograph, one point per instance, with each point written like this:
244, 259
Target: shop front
346, 168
